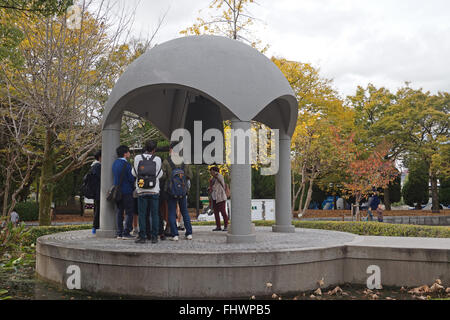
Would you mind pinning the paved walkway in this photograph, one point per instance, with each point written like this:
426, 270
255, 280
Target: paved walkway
205, 240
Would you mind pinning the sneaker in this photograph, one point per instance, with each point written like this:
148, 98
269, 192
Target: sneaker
225, 229
162, 237
139, 240
189, 237
128, 237
217, 229
94, 230
119, 237
174, 238
134, 233
154, 239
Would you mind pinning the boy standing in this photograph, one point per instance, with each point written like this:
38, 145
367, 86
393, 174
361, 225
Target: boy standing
182, 172
148, 171
121, 169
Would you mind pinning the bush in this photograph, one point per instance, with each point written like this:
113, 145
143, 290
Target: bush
364, 228
28, 211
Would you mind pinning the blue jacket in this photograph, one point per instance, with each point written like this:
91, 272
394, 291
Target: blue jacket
128, 178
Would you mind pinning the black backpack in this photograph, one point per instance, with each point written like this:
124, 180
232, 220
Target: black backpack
146, 173
90, 185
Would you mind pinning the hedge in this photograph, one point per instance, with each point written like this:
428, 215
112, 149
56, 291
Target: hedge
28, 211
361, 228
364, 228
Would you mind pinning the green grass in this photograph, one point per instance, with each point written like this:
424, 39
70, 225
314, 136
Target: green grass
364, 228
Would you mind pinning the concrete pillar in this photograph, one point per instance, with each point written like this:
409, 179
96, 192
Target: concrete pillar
110, 141
242, 229
283, 210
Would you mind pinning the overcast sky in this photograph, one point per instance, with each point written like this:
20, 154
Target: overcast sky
353, 42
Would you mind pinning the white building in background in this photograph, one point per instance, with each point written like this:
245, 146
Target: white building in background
262, 209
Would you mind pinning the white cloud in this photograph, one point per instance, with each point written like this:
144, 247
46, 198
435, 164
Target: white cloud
353, 42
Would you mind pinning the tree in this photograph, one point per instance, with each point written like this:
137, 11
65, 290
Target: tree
17, 158
59, 83
374, 125
444, 191
11, 35
415, 191
425, 118
232, 21
367, 170
320, 110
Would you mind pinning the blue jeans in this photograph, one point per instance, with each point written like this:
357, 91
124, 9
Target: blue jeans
172, 204
127, 205
145, 204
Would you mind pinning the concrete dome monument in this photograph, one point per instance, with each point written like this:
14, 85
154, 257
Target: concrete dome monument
241, 84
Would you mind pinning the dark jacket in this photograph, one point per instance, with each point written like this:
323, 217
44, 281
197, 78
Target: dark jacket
127, 186
97, 170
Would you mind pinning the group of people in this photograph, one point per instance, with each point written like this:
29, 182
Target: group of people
153, 191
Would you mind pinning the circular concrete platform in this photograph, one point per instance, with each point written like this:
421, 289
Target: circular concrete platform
206, 267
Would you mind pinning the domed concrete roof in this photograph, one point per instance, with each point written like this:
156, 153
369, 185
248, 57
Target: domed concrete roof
244, 83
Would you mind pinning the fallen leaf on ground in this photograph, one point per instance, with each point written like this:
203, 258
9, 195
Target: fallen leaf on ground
274, 296
447, 290
321, 283
334, 291
268, 285
367, 291
436, 287
438, 281
420, 290
312, 296
318, 292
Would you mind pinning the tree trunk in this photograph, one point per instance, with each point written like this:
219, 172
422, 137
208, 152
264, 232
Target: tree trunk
357, 201
387, 201
46, 184
300, 204
334, 202
6, 194
434, 194
308, 197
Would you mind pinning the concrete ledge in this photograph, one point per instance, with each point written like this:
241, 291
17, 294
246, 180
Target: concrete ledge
283, 229
209, 267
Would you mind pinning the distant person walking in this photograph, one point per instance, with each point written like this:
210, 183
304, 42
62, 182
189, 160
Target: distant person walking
96, 168
218, 197
91, 188
148, 171
121, 169
14, 218
380, 213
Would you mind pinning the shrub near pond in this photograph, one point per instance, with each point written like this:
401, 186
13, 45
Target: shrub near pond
28, 211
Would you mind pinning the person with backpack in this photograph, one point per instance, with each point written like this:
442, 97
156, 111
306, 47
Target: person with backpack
177, 175
123, 177
218, 195
91, 188
148, 171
